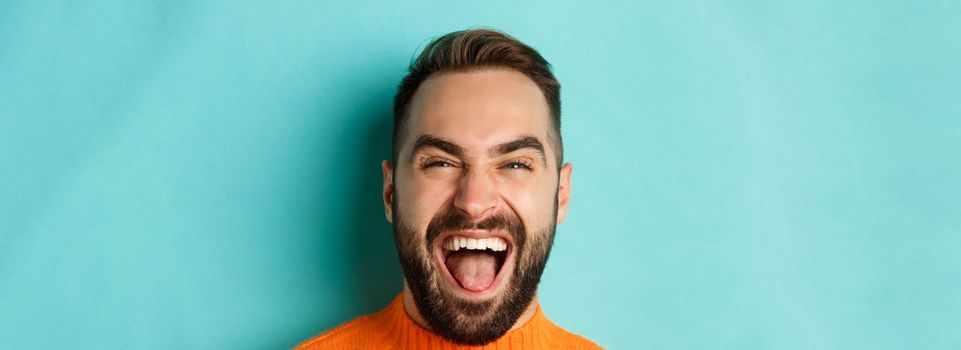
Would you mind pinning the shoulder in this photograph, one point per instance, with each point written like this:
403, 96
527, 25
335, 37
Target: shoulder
564, 339
575, 341
365, 332
349, 335
568, 340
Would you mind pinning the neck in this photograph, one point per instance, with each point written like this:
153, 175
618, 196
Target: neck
411, 308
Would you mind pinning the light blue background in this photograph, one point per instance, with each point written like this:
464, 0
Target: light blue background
748, 175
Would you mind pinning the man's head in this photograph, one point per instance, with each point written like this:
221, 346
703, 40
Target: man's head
476, 186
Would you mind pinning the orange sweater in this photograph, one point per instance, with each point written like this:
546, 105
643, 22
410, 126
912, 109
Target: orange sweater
391, 328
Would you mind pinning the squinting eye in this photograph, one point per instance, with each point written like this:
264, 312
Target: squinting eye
439, 163
517, 166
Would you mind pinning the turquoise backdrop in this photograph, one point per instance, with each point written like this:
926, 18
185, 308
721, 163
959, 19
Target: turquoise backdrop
748, 174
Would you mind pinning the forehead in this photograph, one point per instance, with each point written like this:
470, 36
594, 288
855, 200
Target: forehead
477, 109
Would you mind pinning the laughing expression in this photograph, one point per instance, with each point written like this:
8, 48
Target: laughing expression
474, 199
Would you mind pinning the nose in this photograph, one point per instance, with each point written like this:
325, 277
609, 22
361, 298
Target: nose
476, 195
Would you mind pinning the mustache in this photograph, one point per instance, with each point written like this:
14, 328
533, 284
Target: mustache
455, 220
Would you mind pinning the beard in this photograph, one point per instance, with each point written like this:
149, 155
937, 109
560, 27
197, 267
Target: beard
457, 319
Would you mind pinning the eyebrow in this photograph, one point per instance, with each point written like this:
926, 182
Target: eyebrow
426, 141
524, 142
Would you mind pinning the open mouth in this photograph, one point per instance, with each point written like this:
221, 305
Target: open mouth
474, 262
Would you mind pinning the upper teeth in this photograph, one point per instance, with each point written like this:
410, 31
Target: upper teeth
493, 243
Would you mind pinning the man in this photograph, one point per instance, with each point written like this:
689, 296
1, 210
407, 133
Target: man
474, 189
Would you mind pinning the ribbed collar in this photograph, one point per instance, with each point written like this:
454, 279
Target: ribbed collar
394, 326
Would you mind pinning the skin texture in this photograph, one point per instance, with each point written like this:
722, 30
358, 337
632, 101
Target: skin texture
477, 111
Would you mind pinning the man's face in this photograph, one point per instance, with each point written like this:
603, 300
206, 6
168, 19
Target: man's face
474, 199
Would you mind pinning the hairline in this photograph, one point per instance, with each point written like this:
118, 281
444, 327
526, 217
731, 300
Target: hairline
553, 133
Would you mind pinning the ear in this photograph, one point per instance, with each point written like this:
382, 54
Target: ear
564, 191
388, 190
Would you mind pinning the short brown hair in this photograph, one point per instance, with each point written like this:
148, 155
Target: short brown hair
477, 49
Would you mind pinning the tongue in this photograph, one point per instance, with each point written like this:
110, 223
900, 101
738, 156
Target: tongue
475, 270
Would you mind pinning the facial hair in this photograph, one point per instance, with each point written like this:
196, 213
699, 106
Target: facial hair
456, 319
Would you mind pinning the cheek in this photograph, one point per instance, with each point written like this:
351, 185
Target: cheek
419, 201
533, 201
